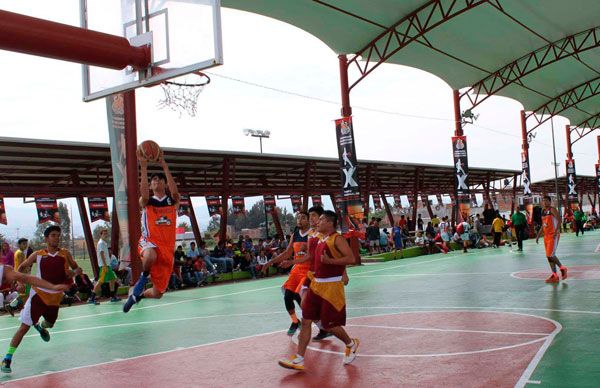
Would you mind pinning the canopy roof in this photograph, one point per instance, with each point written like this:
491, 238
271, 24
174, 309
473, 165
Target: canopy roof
49, 167
533, 51
586, 184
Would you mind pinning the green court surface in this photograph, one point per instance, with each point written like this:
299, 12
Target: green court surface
414, 318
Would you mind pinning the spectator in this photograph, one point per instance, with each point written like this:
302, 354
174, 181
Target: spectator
261, 260
419, 240
397, 237
463, 229
383, 240
497, 227
84, 285
435, 221
219, 255
193, 253
7, 256
402, 222
122, 270
190, 277
419, 223
205, 256
488, 214
373, 235
445, 231
578, 217
519, 222
430, 230
200, 266
410, 224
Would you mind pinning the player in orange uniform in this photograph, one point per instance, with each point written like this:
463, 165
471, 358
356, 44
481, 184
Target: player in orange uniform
157, 243
298, 249
47, 288
551, 229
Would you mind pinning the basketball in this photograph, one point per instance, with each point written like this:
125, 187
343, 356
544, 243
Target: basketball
150, 150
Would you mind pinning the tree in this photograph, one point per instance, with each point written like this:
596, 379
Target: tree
187, 227
65, 226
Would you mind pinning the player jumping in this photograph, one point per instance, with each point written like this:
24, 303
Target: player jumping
551, 229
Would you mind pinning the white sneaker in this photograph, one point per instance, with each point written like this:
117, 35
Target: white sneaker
350, 353
294, 362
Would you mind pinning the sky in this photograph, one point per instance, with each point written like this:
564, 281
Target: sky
41, 99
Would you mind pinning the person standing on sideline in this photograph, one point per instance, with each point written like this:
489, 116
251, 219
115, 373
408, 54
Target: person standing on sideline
397, 237
497, 229
107, 275
551, 229
519, 222
578, 218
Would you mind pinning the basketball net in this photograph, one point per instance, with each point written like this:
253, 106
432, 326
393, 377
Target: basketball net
182, 97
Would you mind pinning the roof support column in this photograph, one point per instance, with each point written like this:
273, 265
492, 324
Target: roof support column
224, 200
388, 209
415, 201
596, 191
514, 195
344, 88
307, 180
194, 222
276, 221
428, 205
87, 232
367, 192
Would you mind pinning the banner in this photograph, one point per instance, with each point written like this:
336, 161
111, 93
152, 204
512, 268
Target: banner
3, 219
397, 201
461, 182
439, 199
213, 202
352, 208
98, 209
376, 201
184, 205
239, 206
269, 202
47, 209
115, 110
598, 178
525, 174
296, 202
316, 200
571, 182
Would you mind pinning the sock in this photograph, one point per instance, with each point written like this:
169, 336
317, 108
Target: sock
294, 317
351, 344
299, 357
11, 351
146, 274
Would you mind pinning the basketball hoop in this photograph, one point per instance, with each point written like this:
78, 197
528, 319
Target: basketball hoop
183, 96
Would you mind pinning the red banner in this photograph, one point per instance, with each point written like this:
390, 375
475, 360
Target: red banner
214, 204
296, 202
184, 205
239, 206
98, 209
47, 209
269, 202
316, 200
376, 201
2, 212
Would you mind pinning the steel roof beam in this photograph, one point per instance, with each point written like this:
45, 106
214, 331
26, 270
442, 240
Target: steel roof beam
515, 71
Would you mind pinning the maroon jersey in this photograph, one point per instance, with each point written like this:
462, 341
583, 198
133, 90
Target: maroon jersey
327, 244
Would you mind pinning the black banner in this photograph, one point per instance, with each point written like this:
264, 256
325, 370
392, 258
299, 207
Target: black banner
239, 206
397, 201
352, 209
525, 174
269, 203
47, 209
376, 201
316, 200
461, 170
598, 177
98, 209
184, 205
571, 182
213, 202
296, 202
3, 219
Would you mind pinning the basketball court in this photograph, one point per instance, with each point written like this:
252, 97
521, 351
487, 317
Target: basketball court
456, 320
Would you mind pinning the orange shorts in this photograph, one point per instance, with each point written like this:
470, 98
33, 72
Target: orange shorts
551, 243
296, 279
161, 270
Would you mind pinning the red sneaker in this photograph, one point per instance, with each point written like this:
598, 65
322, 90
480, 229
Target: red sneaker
553, 278
563, 272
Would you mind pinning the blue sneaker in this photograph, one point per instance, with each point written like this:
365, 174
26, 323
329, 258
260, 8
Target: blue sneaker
129, 303
6, 365
140, 286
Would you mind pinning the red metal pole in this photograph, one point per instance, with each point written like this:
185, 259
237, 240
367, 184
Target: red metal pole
416, 195
194, 222
388, 210
569, 151
276, 221
133, 188
44, 38
525, 144
89, 239
344, 88
224, 215
458, 131
598, 140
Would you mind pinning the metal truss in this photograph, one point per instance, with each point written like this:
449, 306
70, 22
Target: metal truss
564, 101
585, 128
513, 72
410, 28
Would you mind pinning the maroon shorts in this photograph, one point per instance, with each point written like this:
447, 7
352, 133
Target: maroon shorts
316, 308
36, 308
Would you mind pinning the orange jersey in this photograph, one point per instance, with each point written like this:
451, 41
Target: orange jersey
159, 220
53, 268
549, 224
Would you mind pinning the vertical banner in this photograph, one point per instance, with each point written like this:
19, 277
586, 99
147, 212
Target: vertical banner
98, 209
352, 208
597, 179
239, 206
115, 110
47, 209
3, 219
376, 201
439, 199
397, 201
269, 203
572, 184
213, 202
184, 205
296, 202
316, 200
461, 164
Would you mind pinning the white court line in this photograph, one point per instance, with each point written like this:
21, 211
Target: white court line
475, 307
433, 274
448, 330
155, 305
405, 265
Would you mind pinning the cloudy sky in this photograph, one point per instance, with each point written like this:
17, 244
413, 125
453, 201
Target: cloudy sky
400, 113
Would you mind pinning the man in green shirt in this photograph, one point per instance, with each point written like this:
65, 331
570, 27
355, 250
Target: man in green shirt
578, 217
519, 222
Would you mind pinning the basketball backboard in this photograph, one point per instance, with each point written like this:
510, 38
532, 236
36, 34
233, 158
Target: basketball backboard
184, 36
